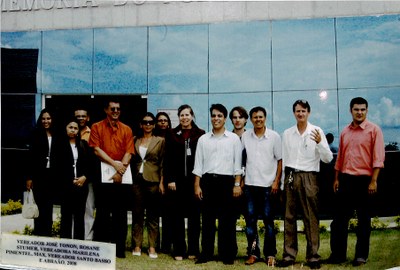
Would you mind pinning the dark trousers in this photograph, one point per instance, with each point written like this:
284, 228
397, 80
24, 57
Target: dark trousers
73, 207
352, 195
43, 192
218, 203
185, 205
165, 243
111, 222
301, 198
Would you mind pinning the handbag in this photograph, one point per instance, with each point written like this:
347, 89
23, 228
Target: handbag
29, 208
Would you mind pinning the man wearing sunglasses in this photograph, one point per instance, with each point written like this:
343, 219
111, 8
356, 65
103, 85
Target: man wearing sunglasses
112, 142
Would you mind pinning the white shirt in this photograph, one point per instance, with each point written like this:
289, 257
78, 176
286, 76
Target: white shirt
263, 155
218, 154
142, 153
301, 152
75, 155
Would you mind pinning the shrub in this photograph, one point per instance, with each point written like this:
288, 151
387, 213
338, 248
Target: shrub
277, 226
353, 223
28, 230
11, 208
397, 220
323, 228
241, 223
377, 224
55, 228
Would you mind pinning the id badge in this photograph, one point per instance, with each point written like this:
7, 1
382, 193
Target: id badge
188, 152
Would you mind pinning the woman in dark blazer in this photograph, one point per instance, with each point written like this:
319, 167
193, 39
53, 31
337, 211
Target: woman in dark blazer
72, 170
181, 145
41, 178
147, 170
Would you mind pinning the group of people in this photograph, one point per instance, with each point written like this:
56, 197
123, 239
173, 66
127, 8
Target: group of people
185, 173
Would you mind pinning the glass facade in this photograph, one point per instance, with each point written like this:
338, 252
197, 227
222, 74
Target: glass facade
266, 63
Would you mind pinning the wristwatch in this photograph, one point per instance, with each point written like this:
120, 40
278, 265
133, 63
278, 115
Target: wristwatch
237, 184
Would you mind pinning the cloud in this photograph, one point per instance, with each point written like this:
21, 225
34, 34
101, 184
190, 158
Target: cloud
388, 115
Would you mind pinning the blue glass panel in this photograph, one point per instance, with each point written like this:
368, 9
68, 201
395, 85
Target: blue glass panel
240, 57
178, 59
368, 51
324, 109
171, 103
383, 109
247, 101
303, 54
67, 61
120, 63
25, 40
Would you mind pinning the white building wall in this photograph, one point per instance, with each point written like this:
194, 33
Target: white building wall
30, 15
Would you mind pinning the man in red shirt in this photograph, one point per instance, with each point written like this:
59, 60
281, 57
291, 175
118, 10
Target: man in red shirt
360, 157
112, 142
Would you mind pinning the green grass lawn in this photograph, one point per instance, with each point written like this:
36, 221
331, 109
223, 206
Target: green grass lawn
384, 254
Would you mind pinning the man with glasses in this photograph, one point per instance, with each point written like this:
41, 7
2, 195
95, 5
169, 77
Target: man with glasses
303, 147
112, 142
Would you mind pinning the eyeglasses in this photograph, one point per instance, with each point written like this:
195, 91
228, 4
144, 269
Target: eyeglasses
115, 109
162, 120
147, 122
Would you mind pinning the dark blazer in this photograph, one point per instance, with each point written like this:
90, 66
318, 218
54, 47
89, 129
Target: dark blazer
153, 161
64, 161
38, 154
178, 163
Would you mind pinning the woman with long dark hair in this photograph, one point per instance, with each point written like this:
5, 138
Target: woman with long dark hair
147, 171
42, 178
72, 169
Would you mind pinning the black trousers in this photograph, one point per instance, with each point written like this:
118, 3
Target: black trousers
43, 191
218, 203
111, 222
73, 208
352, 195
185, 205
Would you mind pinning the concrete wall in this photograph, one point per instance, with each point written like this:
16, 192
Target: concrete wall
30, 15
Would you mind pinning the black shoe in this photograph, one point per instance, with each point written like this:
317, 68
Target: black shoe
335, 260
314, 265
286, 263
121, 255
359, 262
228, 261
202, 259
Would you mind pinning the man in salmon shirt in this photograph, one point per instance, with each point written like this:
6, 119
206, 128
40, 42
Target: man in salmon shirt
359, 160
112, 142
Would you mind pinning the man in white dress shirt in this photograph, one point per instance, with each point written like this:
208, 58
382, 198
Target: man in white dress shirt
217, 171
303, 147
262, 181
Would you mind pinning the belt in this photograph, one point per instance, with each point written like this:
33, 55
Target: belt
293, 170
214, 175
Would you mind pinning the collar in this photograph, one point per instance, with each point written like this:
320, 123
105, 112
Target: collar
307, 131
86, 130
224, 134
265, 135
116, 126
363, 125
